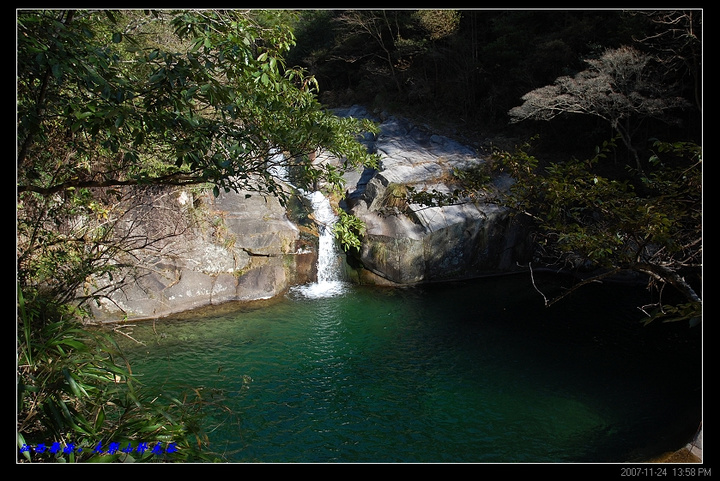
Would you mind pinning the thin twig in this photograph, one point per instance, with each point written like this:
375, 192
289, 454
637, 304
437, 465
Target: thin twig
117, 329
532, 277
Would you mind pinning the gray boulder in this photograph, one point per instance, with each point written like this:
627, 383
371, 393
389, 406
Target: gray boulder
407, 244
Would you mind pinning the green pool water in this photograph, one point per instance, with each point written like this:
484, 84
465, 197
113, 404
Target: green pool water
470, 372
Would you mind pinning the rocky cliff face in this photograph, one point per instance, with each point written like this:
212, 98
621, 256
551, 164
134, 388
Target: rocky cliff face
407, 244
231, 248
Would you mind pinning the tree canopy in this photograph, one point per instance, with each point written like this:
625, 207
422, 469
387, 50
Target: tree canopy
620, 87
604, 225
135, 98
600, 216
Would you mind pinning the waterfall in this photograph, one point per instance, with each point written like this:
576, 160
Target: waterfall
328, 282
328, 277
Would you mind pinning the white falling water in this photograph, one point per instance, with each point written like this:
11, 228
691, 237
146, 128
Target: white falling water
328, 279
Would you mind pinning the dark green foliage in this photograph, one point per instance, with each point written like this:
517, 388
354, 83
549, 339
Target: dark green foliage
648, 223
594, 218
209, 101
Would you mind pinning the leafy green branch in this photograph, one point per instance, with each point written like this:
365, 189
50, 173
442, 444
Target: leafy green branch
348, 230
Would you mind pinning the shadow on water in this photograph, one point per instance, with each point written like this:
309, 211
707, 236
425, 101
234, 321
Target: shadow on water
478, 371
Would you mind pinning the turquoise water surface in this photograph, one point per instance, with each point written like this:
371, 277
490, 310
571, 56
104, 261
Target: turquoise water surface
478, 371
